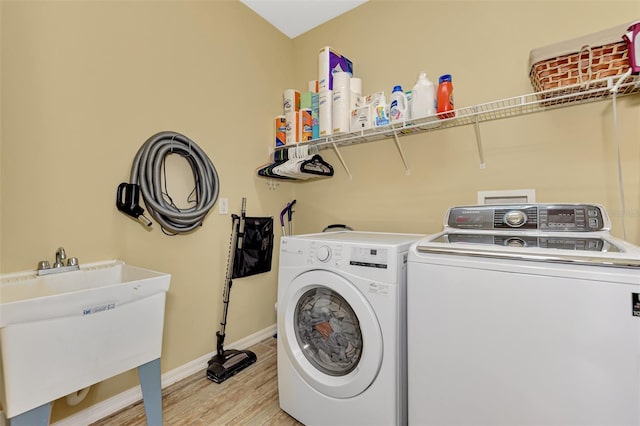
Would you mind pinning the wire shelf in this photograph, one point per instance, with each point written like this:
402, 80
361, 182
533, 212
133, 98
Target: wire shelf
547, 100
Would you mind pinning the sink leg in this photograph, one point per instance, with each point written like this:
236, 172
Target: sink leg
38, 416
149, 374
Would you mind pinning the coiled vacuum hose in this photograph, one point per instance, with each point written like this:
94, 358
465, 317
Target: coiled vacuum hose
146, 172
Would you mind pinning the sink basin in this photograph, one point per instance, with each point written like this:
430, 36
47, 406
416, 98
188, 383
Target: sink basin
26, 297
63, 332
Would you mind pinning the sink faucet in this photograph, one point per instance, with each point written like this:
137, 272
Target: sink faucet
60, 256
72, 264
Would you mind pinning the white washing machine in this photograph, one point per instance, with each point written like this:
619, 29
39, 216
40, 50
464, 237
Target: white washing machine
342, 327
524, 314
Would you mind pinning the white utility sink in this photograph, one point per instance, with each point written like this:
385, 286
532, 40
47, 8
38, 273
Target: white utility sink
63, 332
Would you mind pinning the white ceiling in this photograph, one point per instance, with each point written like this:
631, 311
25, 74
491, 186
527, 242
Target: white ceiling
295, 17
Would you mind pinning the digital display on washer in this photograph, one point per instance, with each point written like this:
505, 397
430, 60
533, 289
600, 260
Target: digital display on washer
561, 217
466, 218
369, 257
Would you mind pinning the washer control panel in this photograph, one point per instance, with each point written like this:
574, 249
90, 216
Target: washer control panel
336, 254
544, 217
555, 242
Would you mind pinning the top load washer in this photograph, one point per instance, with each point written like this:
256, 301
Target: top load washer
524, 314
342, 327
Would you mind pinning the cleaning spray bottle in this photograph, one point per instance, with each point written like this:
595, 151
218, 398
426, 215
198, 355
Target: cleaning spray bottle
423, 97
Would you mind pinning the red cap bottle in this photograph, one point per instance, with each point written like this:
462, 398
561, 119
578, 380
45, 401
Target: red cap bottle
445, 97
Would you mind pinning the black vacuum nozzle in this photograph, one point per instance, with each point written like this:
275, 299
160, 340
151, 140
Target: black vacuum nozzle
230, 363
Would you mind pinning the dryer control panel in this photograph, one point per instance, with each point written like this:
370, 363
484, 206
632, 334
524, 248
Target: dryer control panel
543, 217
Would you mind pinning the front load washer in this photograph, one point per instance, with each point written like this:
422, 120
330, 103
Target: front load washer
524, 314
342, 329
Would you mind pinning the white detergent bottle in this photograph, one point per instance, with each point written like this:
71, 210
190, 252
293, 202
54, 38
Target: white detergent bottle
423, 97
381, 113
398, 105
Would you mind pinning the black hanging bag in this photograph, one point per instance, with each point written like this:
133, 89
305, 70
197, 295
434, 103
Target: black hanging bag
254, 251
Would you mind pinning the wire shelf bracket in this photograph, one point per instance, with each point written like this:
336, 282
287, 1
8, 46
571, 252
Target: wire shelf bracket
337, 151
479, 143
404, 159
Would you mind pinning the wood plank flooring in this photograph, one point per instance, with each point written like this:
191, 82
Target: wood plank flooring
249, 398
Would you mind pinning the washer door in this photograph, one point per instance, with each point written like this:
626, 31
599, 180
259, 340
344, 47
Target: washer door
331, 334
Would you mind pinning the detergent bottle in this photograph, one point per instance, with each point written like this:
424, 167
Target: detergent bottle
381, 113
445, 97
423, 97
632, 38
398, 105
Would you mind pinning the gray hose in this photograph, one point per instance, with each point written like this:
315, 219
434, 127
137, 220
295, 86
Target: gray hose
146, 171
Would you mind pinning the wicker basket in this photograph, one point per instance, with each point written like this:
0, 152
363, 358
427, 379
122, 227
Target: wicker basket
580, 64
580, 68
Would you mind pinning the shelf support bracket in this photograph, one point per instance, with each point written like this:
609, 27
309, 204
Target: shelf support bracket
479, 139
346, 169
614, 102
404, 159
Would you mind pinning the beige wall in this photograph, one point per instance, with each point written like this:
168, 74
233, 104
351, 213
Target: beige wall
85, 83
566, 155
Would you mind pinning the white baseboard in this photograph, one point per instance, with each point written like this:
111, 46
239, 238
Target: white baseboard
124, 399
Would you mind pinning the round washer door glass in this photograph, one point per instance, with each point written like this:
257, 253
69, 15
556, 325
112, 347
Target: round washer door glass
328, 331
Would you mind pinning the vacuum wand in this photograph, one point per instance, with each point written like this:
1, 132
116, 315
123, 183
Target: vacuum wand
236, 243
227, 287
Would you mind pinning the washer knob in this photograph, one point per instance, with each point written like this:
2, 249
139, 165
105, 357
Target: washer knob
515, 218
515, 242
323, 254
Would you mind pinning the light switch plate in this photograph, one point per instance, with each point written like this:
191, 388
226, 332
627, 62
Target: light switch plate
223, 206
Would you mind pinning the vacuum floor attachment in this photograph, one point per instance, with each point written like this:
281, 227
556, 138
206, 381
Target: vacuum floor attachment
229, 363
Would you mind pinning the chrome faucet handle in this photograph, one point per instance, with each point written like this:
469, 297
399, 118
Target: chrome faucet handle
60, 256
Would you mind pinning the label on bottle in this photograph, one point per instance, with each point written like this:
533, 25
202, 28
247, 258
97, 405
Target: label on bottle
395, 113
381, 118
445, 100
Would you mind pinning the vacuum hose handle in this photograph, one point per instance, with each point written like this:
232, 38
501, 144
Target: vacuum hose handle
128, 202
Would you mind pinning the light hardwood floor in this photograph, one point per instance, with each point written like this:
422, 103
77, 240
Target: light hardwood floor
249, 398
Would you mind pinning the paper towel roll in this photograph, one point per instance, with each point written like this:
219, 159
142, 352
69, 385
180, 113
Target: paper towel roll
290, 100
356, 85
291, 130
341, 102
340, 109
341, 80
325, 102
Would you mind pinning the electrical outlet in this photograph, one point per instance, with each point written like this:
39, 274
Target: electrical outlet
223, 206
